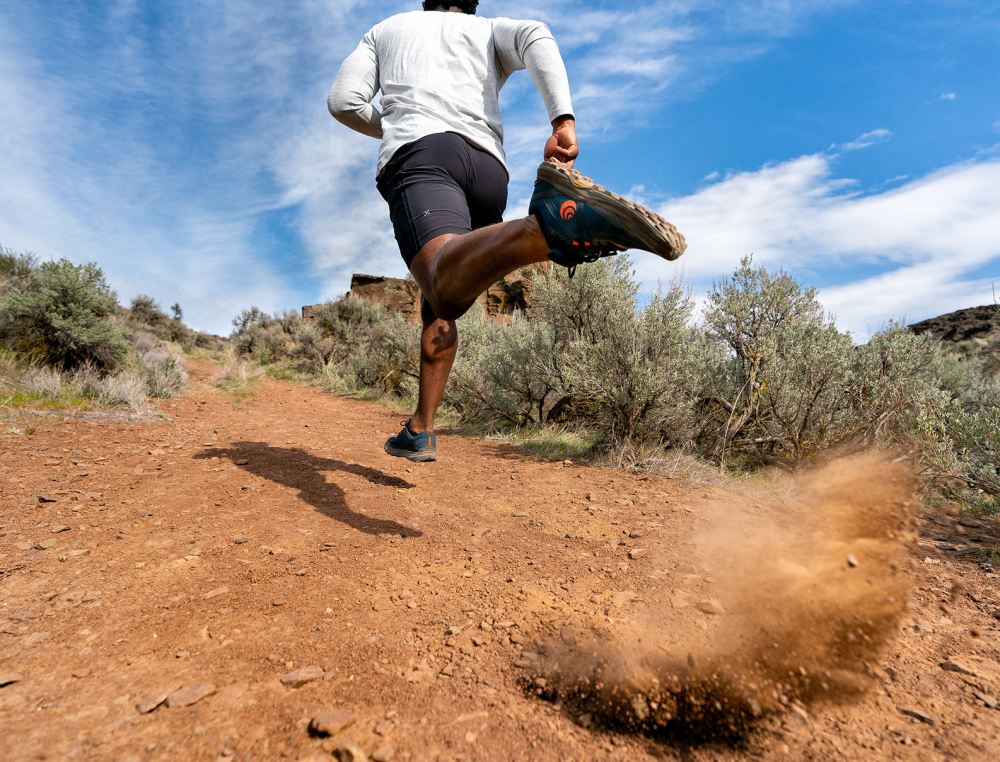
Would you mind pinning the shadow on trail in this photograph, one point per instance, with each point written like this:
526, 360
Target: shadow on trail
303, 471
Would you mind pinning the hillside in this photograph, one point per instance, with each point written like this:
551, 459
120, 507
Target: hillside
972, 332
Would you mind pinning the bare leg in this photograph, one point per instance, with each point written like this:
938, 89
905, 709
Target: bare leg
438, 344
453, 270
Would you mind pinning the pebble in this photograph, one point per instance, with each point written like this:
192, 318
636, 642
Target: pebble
242, 462
383, 753
635, 534
329, 722
9, 678
57, 528
852, 560
189, 695
152, 701
45, 544
46, 499
916, 714
302, 676
636, 553
215, 593
349, 753
990, 701
710, 606
950, 666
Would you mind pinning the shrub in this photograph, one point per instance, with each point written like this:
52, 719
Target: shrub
59, 314
352, 344
780, 394
505, 374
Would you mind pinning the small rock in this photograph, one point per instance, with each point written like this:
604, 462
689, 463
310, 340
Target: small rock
852, 560
242, 462
329, 722
478, 640
950, 666
57, 528
679, 599
77, 552
80, 672
45, 544
46, 499
189, 695
349, 753
991, 702
916, 714
382, 728
800, 714
636, 553
302, 676
710, 606
152, 701
240, 541
635, 534
23, 545
215, 593
383, 753
9, 678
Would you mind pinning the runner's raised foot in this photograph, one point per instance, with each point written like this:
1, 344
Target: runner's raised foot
582, 221
419, 447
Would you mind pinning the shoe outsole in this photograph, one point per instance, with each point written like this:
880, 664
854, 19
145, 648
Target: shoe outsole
658, 236
417, 457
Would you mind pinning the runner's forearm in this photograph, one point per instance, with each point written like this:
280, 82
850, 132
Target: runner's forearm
546, 67
350, 96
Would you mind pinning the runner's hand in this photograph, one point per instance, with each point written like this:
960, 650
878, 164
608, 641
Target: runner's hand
562, 145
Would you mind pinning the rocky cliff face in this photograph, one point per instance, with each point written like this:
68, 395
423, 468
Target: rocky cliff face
403, 295
972, 332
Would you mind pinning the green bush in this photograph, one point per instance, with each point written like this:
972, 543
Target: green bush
781, 393
351, 345
59, 314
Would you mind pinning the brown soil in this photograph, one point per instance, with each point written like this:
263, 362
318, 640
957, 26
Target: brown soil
236, 542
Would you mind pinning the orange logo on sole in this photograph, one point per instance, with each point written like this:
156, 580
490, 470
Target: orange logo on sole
567, 210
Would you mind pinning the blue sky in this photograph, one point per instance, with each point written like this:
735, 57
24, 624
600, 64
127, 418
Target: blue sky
185, 146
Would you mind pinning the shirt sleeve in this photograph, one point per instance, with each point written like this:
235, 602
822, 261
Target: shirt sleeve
350, 97
530, 45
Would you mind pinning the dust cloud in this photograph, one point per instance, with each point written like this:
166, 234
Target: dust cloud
800, 589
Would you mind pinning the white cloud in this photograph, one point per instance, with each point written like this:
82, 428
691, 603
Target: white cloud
947, 97
930, 240
863, 141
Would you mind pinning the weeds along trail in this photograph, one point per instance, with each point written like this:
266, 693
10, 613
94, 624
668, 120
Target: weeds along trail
807, 590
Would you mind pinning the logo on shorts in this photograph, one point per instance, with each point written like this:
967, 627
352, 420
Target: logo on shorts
568, 210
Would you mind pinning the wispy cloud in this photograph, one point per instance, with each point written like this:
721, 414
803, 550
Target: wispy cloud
863, 141
929, 240
947, 97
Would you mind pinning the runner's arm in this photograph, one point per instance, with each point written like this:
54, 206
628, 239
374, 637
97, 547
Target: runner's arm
350, 97
530, 45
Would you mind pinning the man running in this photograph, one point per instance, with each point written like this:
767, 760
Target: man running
441, 170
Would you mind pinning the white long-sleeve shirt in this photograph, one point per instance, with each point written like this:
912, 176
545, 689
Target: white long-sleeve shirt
442, 72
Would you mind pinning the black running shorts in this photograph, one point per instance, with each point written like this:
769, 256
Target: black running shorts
441, 184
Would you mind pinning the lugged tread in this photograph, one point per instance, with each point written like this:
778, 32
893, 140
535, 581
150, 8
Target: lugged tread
661, 237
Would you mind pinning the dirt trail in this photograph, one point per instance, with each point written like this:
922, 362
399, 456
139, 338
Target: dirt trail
234, 543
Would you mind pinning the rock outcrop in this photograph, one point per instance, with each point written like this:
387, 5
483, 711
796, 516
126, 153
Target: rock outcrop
402, 295
972, 332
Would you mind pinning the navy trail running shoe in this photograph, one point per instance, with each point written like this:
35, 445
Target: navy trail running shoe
418, 447
582, 221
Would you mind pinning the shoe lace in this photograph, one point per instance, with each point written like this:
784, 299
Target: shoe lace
592, 256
